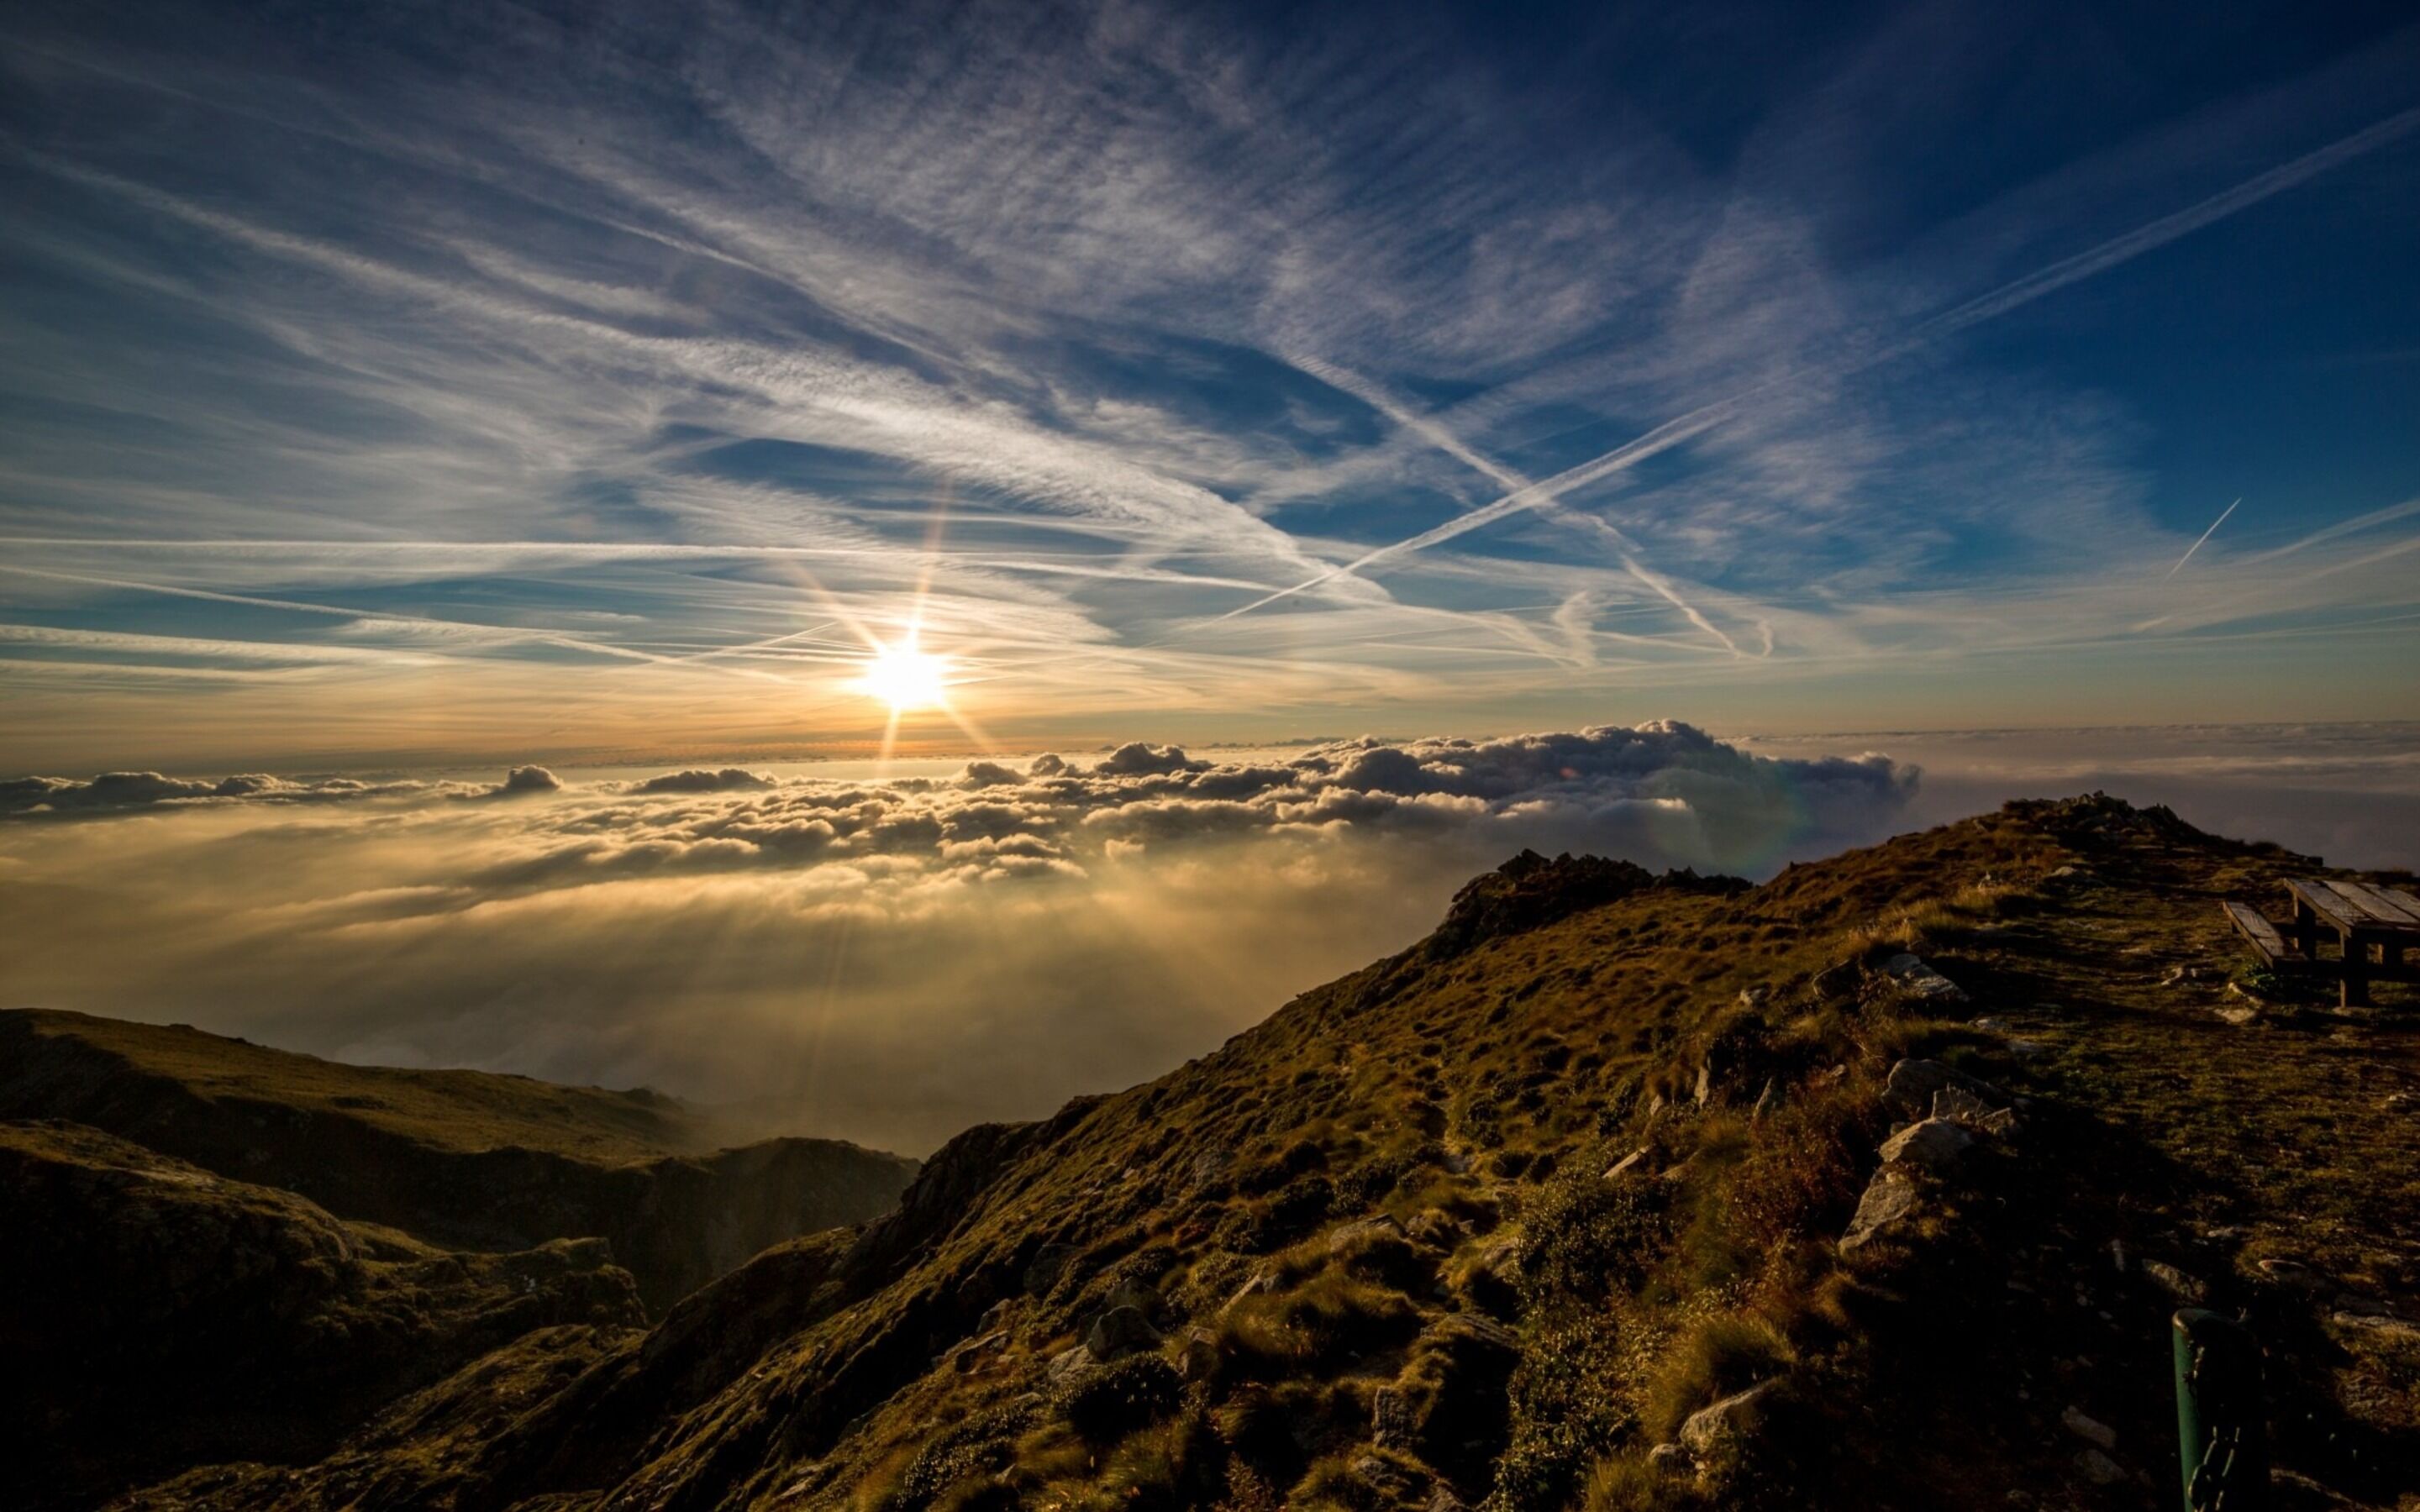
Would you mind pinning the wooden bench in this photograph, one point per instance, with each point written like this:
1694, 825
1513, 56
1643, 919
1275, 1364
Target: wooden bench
2273, 948
2375, 931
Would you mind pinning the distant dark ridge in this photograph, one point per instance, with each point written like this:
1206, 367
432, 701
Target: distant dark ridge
450, 1167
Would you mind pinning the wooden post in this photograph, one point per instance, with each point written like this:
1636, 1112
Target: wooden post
2357, 971
2220, 1423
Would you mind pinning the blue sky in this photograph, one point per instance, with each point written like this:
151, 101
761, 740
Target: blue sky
422, 381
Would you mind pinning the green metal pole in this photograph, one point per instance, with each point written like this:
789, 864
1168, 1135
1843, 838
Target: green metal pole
2222, 1437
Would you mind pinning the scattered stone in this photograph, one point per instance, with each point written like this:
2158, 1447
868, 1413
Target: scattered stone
970, 1355
1119, 1332
1935, 1144
1708, 1427
1441, 1499
2242, 1016
2099, 1468
1070, 1362
2175, 1283
2118, 1255
2026, 1049
1965, 1107
1764, 1100
1668, 1458
1392, 1425
1920, 981
1627, 1163
2177, 975
1754, 997
1199, 1359
1132, 1292
2093, 1432
1705, 1083
1043, 1274
1891, 1198
1912, 1084
2401, 1103
1989, 1024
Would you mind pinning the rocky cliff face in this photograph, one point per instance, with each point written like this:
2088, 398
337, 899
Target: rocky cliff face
458, 1159
1635, 1194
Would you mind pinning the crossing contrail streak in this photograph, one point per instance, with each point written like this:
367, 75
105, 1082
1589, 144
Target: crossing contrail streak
2009, 296
2203, 536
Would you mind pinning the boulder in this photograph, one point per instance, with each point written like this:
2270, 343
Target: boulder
1935, 1144
1120, 1332
1708, 1427
1043, 1272
1919, 981
1892, 1197
2091, 1430
1912, 1084
1070, 1362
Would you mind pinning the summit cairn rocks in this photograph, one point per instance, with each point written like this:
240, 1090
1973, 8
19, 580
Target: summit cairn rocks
1951, 1111
1935, 1144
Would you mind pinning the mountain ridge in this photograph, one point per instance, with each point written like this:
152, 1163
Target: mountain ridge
1613, 1205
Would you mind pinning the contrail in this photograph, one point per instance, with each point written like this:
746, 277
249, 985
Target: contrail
2205, 535
1999, 301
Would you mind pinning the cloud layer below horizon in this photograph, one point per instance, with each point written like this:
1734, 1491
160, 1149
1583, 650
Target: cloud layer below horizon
884, 961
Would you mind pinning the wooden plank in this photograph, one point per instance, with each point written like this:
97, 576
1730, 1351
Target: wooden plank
2266, 942
2397, 910
2322, 900
2359, 909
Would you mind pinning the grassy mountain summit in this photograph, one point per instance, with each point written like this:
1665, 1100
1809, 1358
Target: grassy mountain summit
1869, 1186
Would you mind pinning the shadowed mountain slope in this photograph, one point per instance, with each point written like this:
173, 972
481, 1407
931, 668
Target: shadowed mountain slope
1872, 1186
462, 1159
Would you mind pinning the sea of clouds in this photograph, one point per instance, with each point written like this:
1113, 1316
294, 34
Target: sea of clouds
886, 960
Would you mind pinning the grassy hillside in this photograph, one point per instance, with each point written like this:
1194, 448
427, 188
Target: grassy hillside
1584, 1201
142, 1077
153, 1315
458, 1158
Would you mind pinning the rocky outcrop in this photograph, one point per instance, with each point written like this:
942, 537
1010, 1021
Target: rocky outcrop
1529, 892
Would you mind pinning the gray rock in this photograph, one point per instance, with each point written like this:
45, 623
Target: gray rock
969, 1355
1132, 1292
1120, 1332
1935, 1144
1070, 1362
1754, 997
2091, 1430
1668, 1458
1965, 1107
1708, 1427
1912, 1084
1198, 1360
2175, 1283
1705, 1083
1920, 981
1392, 1422
1626, 1164
2099, 1468
1892, 1197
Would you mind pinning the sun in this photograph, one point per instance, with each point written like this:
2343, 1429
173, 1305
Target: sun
905, 677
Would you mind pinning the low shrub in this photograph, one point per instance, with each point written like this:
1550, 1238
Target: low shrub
1105, 1405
